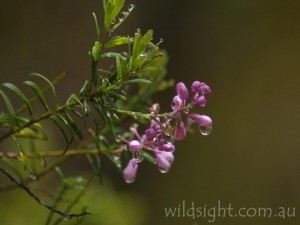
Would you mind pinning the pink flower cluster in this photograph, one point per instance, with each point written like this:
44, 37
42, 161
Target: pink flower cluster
159, 137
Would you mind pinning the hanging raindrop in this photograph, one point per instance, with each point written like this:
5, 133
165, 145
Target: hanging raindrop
129, 181
205, 130
163, 170
138, 156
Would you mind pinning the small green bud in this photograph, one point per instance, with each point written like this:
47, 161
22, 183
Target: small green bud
96, 51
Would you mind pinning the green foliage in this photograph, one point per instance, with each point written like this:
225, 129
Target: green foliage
107, 99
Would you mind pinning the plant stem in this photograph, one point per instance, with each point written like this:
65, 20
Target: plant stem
41, 202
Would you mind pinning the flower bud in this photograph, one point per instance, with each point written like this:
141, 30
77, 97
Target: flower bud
135, 146
202, 120
204, 89
180, 132
182, 91
201, 101
160, 142
164, 159
129, 173
176, 103
195, 86
167, 147
150, 134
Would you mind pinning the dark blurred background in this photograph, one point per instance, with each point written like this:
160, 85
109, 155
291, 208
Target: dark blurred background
247, 51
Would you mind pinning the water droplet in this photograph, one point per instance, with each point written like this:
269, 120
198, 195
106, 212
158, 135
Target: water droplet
138, 156
205, 130
117, 156
163, 170
122, 16
131, 7
118, 138
118, 163
113, 22
168, 132
129, 181
143, 55
67, 218
138, 31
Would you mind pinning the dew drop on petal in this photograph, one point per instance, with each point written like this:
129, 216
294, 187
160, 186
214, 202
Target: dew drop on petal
205, 130
163, 170
129, 181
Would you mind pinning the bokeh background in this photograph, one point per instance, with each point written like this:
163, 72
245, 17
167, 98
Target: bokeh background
247, 51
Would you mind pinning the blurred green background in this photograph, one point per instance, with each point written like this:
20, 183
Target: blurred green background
247, 51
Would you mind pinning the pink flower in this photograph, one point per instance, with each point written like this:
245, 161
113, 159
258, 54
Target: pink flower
129, 173
202, 120
176, 103
167, 147
135, 146
164, 160
182, 91
180, 132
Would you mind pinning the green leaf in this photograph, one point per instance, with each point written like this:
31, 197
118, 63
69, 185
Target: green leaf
86, 108
138, 81
8, 104
78, 114
74, 126
108, 8
97, 26
111, 55
145, 41
49, 83
62, 125
138, 62
105, 3
59, 172
140, 45
119, 69
122, 17
105, 72
18, 92
149, 157
149, 69
118, 96
136, 44
38, 92
74, 182
32, 133
153, 51
9, 119
117, 8
74, 99
84, 90
116, 41
106, 116
96, 122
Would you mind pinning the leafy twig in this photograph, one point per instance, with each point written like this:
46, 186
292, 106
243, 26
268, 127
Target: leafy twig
41, 202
